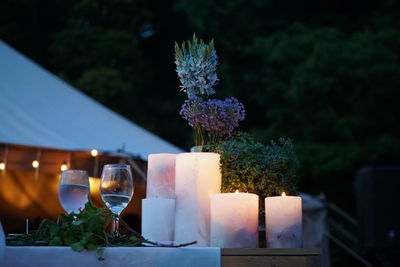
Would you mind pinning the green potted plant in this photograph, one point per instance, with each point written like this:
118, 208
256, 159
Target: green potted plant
249, 166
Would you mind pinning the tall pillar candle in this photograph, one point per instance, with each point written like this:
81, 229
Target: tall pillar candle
198, 177
234, 220
158, 217
161, 176
283, 217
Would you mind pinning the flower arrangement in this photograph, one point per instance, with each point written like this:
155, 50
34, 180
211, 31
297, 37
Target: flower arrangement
211, 119
246, 164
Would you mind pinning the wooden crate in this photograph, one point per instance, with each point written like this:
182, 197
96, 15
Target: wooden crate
268, 257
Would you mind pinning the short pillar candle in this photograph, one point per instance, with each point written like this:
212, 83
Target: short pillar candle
234, 220
283, 225
161, 176
158, 218
198, 177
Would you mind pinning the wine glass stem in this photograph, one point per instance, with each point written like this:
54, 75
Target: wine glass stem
116, 224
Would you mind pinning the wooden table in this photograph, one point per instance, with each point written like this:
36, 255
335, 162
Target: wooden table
267, 257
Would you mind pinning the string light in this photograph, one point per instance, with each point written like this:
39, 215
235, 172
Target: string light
3, 163
94, 152
64, 167
35, 164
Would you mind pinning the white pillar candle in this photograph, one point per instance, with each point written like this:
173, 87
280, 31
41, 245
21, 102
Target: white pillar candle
158, 216
283, 221
161, 176
234, 220
198, 177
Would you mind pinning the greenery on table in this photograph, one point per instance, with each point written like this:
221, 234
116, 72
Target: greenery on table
249, 166
83, 231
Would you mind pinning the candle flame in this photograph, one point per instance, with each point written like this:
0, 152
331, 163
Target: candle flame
237, 191
283, 194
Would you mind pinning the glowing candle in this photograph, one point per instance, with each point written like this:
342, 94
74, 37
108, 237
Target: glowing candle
158, 217
161, 176
198, 177
234, 220
283, 217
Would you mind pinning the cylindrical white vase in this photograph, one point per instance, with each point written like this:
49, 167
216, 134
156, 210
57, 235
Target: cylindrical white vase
283, 224
161, 176
234, 220
197, 178
158, 216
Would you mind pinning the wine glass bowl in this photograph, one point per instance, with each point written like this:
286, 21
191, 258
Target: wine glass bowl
73, 190
116, 188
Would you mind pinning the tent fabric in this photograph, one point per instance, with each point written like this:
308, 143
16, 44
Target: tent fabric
39, 109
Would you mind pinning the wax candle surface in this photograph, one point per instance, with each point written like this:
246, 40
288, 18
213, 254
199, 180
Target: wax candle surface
234, 220
283, 217
158, 216
161, 176
198, 177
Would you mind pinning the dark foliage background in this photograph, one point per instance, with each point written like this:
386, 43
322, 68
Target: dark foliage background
324, 73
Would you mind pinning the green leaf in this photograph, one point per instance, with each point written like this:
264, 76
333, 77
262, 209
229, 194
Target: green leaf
100, 253
78, 222
53, 229
91, 246
133, 238
68, 240
77, 247
56, 241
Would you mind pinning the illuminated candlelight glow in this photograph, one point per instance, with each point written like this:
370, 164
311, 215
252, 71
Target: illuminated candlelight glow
63, 167
197, 175
35, 164
234, 220
283, 221
2, 166
94, 152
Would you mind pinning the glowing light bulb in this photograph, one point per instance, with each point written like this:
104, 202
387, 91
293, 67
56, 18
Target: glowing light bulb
64, 167
2, 166
94, 152
35, 164
283, 194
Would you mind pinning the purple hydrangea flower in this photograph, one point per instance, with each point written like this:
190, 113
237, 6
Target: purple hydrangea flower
218, 118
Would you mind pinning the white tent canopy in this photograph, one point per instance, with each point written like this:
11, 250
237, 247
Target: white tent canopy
39, 109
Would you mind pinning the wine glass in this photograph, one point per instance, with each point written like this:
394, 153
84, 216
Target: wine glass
116, 189
73, 190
